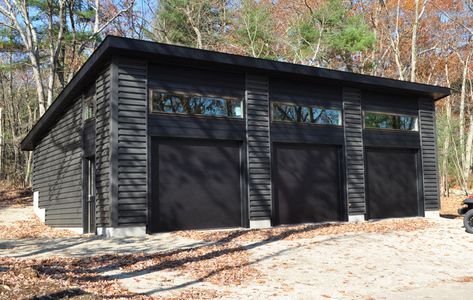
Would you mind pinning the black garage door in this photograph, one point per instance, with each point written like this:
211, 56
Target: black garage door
195, 185
307, 183
392, 183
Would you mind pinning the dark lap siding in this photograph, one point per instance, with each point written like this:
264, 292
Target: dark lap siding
392, 183
131, 167
102, 148
58, 170
307, 183
195, 184
429, 154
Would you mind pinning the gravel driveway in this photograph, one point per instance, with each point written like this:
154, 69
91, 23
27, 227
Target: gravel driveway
431, 263
428, 264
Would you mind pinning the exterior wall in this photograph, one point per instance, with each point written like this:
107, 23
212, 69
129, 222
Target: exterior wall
429, 154
88, 138
305, 92
258, 147
132, 127
123, 128
102, 148
213, 82
57, 171
129, 144
354, 151
200, 81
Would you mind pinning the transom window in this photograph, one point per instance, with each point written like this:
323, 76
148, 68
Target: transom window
306, 114
379, 120
176, 103
89, 103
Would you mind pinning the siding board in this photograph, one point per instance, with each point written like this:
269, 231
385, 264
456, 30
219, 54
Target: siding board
354, 166
57, 169
132, 143
258, 150
429, 153
102, 148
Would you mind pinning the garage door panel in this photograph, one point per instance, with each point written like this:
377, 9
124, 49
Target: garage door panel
196, 185
392, 183
307, 183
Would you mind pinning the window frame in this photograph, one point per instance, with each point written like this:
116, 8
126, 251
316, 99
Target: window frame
333, 107
416, 130
152, 90
90, 94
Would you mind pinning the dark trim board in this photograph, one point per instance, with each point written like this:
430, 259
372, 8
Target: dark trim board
390, 138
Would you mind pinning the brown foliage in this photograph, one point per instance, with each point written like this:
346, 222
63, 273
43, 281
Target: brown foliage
220, 264
11, 196
307, 231
450, 205
31, 228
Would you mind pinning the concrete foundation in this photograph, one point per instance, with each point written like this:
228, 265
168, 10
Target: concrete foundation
356, 218
78, 230
39, 212
432, 214
122, 231
257, 224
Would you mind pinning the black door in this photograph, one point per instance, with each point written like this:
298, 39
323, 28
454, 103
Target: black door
195, 185
392, 183
89, 207
307, 183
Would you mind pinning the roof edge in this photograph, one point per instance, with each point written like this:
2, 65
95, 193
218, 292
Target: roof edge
118, 45
137, 46
96, 57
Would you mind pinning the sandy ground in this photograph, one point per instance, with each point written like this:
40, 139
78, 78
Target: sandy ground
10, 215
423, 264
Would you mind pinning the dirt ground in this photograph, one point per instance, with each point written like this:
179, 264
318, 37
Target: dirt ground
411, 258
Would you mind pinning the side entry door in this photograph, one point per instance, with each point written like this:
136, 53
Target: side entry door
89, 207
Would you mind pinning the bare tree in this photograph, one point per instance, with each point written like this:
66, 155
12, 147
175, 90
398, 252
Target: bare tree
419, 11
18, 13
1, 142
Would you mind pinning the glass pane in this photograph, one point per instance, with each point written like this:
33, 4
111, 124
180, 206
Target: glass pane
327, 116
196, 105
389, 121
306, 114
89, 108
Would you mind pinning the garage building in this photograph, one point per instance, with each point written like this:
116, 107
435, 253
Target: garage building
150, 137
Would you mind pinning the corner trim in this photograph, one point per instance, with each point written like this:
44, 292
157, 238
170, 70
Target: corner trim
114, 143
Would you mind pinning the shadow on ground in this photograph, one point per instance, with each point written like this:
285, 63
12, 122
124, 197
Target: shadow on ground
201, 256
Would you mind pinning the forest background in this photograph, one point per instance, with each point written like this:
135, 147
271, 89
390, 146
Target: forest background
43, 43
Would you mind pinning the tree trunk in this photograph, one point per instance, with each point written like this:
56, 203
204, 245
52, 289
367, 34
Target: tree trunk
468, 151
1, 143
415, 26
97, 16
28, 163
464, 151
446, 142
